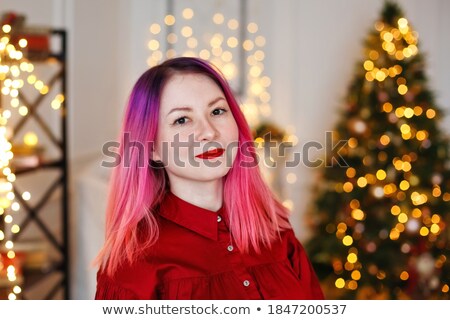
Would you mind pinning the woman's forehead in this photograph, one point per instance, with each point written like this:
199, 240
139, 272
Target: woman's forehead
188, 88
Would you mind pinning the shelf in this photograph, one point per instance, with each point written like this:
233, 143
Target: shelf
49, 279
48, 164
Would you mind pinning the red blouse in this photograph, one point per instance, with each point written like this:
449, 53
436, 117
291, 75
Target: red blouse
195, 259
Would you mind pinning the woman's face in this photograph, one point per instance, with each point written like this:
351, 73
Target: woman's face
195, 118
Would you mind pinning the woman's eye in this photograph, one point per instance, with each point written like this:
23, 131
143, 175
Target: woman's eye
219, 111
181, 120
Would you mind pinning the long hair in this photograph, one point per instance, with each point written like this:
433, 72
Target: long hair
137, 189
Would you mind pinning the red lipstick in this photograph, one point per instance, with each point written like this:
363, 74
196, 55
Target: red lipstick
211, 154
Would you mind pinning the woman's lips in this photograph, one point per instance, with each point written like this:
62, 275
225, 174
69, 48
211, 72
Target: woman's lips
211, 154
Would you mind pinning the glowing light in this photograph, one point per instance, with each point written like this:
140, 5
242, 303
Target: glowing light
23, 111
362, 182
368, 65
15, 228
186, 31
387, 36
430, 113
15, 206
155, 28
169, 20
356, 275
153, 44
348, 187
260, 41
435, 218
232, 42
6, 28
350, 172
192, 43
378, 192
23, 43
218, 18
395, 210
248, 45
416, 213
402, 23
384, 140
402, 89
379, 26
352, 143
402, 217
387, 107
291, 178
347, 240
404, 276
404, 185
358, 214
381, 174
30, 139
252, 27
233, 24
373, 55
424, 231
188, 13
405, 128
435, 228
380, 75
288, 204
340, 283
421, 135
352, 258
409, 112
352, 285
418, 199
9, 244
205, 54
394, 234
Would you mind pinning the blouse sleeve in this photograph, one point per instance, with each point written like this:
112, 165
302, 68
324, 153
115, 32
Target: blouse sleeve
303, 268
130, 282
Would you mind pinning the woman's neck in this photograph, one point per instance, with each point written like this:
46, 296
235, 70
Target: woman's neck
207, 195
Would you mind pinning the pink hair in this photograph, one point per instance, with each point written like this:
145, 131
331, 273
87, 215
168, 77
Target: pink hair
136, 189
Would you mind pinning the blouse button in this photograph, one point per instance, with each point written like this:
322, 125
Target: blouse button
246, 283
230, 248
219, 218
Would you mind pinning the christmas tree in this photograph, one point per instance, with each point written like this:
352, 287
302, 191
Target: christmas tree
382, 209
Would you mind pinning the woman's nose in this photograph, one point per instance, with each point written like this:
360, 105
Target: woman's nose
206, 131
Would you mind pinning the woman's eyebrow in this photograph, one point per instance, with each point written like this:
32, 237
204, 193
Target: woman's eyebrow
187, 108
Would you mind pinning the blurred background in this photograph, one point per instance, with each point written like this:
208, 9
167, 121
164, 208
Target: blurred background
374, 74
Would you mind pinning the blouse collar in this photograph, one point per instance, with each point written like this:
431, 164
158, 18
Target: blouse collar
190, 216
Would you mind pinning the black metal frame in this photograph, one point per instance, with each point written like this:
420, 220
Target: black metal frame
32, 213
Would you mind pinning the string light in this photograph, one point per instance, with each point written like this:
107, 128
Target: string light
223, 48
395, 178
16, 71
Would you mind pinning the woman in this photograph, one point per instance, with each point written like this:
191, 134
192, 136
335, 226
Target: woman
189, 216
